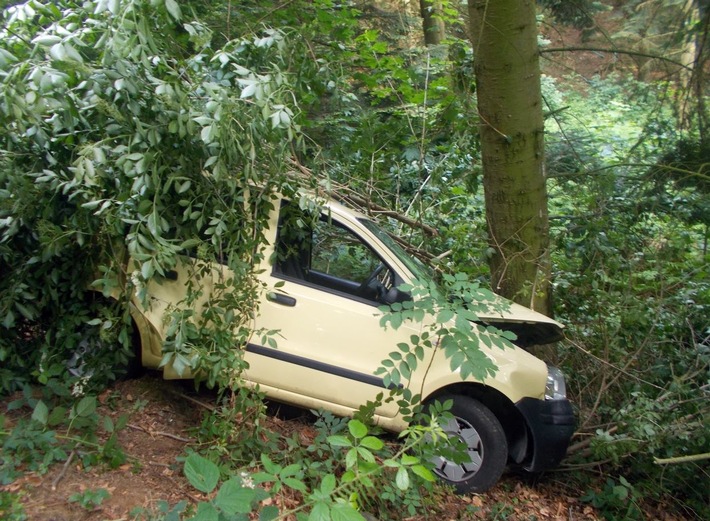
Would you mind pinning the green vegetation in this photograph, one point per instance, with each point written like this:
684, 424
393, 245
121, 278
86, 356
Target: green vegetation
136, 127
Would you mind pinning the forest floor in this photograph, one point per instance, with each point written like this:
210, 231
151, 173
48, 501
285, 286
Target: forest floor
163, 417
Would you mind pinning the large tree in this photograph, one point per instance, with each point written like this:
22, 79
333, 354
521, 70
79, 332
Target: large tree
504, 36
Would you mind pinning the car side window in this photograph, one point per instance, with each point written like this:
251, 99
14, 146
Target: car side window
321, 252
339, 253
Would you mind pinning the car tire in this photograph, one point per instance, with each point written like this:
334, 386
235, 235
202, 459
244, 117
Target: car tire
475, 425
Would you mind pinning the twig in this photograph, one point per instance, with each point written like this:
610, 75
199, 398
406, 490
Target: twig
193, 400
609, 364
64, 470
585, 443
159, 433
157, 464
349, 196
614, 51
579, 466
344, 194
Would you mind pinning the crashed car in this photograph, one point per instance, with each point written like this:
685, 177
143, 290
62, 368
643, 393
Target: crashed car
322, 291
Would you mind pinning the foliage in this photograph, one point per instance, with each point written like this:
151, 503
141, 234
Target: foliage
240, 446
11, 507
455, 305
333, 495
578, 14
91, 498
632, 277
162, 512
616, 500
97, 97
59, 425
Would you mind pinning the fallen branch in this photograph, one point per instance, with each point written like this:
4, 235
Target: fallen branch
193, 400
578, 466
159, 433
681, 459
342, 193
64, 470
347, 195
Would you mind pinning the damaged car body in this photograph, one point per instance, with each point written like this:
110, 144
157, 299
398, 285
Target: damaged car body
322, 291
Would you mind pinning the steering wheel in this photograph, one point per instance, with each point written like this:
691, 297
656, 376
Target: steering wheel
372, 277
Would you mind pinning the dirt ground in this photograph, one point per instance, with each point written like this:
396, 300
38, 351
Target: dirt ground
162, 419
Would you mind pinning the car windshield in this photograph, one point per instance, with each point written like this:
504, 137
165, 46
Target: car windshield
420, 270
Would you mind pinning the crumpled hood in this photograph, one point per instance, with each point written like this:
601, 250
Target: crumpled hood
531, 327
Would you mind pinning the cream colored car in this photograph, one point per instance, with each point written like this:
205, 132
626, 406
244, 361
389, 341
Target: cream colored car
324, 284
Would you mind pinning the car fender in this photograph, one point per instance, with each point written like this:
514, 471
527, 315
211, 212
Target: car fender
519, 374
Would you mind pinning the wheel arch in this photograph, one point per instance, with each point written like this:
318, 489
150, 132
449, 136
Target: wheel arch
512, 421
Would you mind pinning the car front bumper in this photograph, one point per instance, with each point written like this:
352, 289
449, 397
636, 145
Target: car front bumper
551, 424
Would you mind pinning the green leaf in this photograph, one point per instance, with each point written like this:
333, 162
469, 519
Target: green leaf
147, 269
328, 484
402, 478
269, 465
173, 8
290, 470
296, 484
320, 512
201, 473
371, 442
57, 416
205, 512
444, 316
345, 512
339, 441
351, 458
121, 422
357, 429
40, 413
408, 459
423, 472
233, 498
365, 454
86, 407
269, 513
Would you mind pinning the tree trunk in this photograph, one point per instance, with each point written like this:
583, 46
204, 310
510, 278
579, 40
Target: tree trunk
434, 28
702, 57
504, 36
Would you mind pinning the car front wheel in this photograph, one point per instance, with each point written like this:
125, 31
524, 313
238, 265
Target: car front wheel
486, 448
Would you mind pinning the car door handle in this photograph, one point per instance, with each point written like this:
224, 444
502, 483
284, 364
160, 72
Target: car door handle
280, 298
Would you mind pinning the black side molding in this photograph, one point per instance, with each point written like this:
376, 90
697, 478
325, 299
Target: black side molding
335, 370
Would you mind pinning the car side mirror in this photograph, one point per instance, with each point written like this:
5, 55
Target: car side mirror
395, 295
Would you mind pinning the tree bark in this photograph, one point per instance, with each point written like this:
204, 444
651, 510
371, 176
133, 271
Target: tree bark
506, 58
434, 27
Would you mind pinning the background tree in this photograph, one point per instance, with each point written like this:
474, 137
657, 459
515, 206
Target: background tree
433, 21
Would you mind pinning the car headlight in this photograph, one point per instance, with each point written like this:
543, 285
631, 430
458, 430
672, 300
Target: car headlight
556, 389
